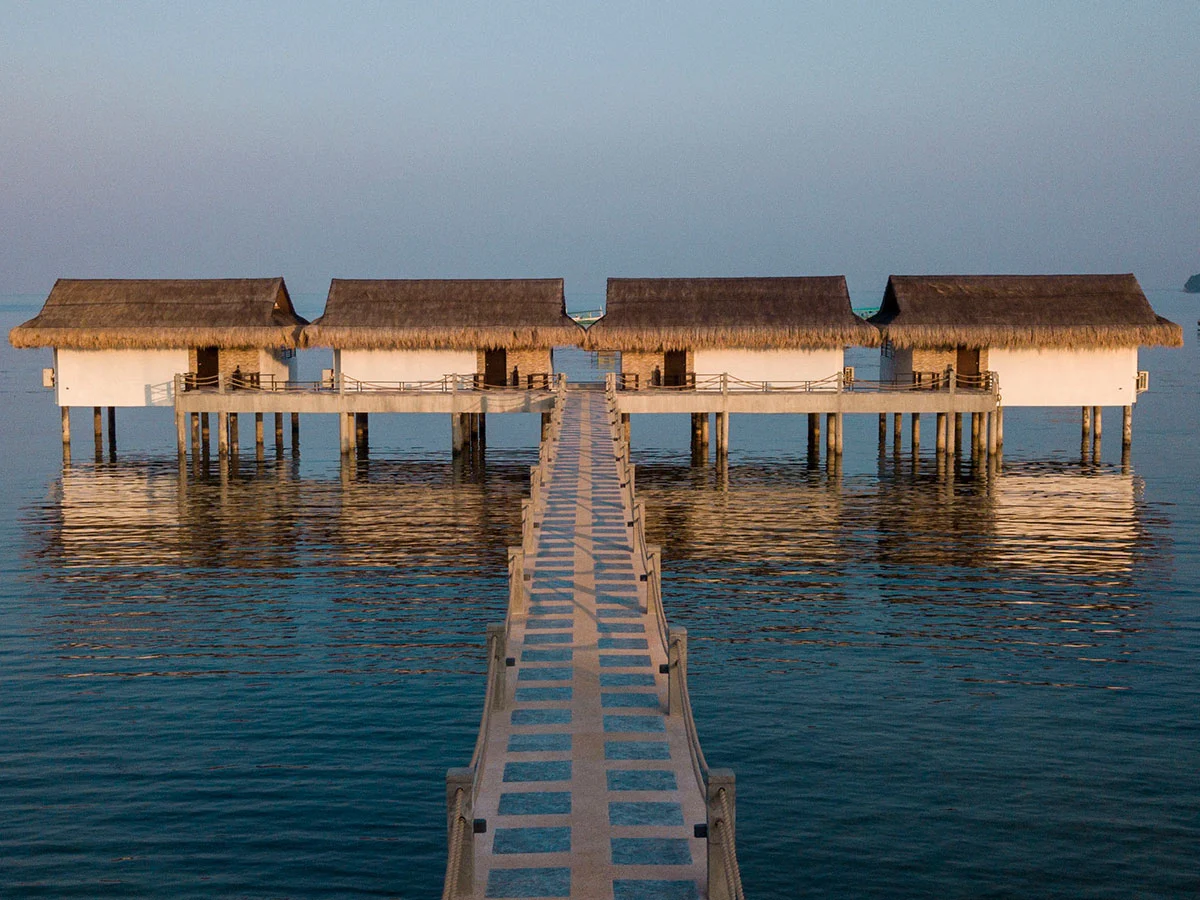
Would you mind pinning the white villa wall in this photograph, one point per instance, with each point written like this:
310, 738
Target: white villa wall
1055, 377
771, 365
117, 377
403, 365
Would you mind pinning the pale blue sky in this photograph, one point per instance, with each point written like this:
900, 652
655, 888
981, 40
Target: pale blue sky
595, 139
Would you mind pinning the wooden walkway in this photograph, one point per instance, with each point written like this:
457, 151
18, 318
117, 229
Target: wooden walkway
588, 787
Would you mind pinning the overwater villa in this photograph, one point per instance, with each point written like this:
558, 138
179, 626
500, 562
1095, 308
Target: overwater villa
1051, 340
499, 332
122, 342
673, 331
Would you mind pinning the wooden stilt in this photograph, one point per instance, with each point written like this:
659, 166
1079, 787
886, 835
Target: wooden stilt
295, 433
278, 432
976, 432
98, 428
181, 433
1000, 429
953, 432
112, 430
66, 427
457, 436
915, 436
882, 430
897, 431
345, 433
837, 444
722, 436
223, 435
814, 431
956, 446
1096, 431
1085, 418
258, 436
993, 431
195, 436
234, 434
940, 439
1127, 426
205, 435
830, 436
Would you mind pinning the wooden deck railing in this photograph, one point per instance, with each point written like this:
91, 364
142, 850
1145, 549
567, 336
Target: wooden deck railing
346, 384
842, 382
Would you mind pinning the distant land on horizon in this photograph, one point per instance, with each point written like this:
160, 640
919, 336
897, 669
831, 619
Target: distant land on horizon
1193, 285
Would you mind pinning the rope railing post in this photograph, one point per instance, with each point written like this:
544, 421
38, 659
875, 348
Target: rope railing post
676, 670
460, 856
516, 581
497, 642
724, 876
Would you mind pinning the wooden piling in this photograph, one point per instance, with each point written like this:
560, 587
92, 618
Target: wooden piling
295, 433
457, 437
993, 444
722, 436
956, 445
830, 436
814, 432
1096, 431
837, 444
205, 435
98, 428
953, 433
915, 436
882, 430
112, 429
976, 432
897, 431
1126, 426
66, 427
258, 436
181, 433
234, 434
195, 436
278, 432
940, 438
361, 432
999, 429
1085, 418
223, 435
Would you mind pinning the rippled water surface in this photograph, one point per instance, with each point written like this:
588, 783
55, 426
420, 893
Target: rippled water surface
982, 684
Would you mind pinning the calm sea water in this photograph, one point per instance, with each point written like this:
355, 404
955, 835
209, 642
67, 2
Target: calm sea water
252, 685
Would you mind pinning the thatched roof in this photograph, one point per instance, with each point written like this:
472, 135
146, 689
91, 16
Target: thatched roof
456, 314
1073, 311
652, 314
142, 314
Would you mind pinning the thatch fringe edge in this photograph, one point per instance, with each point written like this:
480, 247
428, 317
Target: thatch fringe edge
347, 337
1073, 337
23, 337
753, 338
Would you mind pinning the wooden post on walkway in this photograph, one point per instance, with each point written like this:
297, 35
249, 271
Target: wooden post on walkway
98, 429
545, 425
940, 438
112, 430
721, 796
1126, 427
627, 422
915, 437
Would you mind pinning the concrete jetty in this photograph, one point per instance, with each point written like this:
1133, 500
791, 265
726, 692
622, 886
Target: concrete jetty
588, 780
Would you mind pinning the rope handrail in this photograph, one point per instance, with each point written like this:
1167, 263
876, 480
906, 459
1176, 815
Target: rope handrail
454, 853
